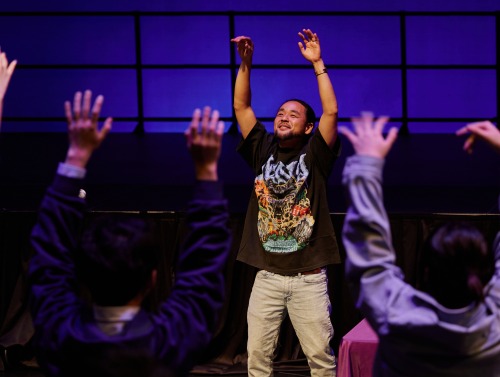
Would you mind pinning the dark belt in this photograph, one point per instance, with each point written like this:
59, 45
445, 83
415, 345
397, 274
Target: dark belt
310, 272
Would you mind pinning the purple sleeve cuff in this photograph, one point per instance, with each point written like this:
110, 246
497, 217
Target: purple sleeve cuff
71, 171
68, 186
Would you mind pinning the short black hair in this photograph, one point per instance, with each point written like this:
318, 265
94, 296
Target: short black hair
457, 264
116, 256
310, 115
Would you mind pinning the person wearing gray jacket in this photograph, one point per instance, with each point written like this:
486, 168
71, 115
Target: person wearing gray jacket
452, 326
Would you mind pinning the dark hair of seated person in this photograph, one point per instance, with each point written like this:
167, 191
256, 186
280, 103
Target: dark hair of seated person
457, 264
116, 256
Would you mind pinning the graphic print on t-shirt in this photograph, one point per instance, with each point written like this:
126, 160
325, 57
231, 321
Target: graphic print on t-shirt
285, 222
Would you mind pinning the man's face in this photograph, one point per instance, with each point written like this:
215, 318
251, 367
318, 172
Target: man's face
290, 122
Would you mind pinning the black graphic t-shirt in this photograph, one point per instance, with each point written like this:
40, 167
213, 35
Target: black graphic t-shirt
288, 227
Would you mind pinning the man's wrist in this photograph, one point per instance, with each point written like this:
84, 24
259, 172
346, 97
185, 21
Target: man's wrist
78, 157
318, 73
319, 67
246, 63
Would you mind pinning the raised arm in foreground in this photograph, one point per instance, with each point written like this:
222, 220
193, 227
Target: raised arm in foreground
488, 132
366, 233
52, 268
193, 308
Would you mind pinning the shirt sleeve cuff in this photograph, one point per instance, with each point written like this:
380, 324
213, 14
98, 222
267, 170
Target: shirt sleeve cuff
68, 180
361, 164
71, 171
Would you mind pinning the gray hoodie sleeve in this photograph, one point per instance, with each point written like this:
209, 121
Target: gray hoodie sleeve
370, 266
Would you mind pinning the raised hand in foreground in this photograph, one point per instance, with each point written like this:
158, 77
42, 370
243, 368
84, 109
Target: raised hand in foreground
367, 138
204, 142
85, 136
484, 130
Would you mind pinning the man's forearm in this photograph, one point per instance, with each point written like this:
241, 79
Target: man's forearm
326, 91
242, 90
242, 100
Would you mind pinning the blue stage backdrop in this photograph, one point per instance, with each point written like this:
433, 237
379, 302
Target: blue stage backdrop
430, 65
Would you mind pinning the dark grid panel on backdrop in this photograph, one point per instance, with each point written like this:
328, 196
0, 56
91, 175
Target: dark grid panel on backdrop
429, 71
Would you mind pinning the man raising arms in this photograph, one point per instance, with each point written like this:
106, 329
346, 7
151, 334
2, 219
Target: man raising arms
288, 234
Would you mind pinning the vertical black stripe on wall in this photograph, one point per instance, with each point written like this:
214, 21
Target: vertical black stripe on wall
404, 83
139, 128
